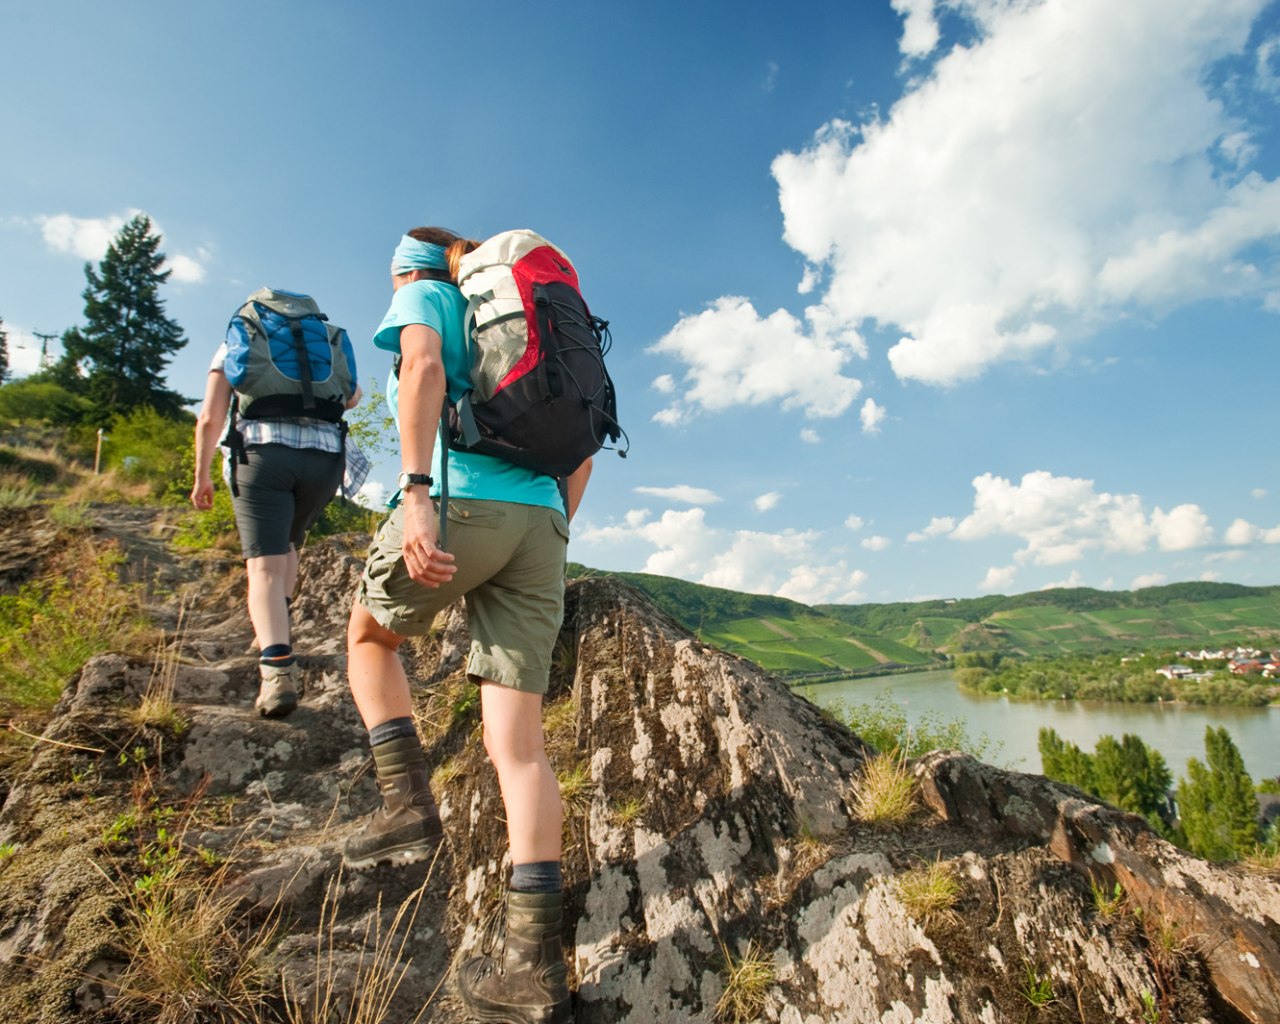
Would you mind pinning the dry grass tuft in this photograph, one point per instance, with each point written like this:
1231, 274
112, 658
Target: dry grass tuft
747, 982
885, 793
930, 893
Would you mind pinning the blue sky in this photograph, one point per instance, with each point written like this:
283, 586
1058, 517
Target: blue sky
909, 299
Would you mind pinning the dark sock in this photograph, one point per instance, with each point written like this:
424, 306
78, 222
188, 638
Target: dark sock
538, 876
391, 730
277, 654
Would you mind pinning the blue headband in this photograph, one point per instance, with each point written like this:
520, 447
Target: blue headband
412, 254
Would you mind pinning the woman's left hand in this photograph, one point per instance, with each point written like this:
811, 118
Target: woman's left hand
427, 563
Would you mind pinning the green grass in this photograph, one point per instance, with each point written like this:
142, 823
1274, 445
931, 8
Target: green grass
50, 628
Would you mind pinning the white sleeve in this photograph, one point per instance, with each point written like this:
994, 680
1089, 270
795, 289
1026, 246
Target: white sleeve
219, 359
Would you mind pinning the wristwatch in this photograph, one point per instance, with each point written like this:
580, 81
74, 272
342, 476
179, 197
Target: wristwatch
406, 480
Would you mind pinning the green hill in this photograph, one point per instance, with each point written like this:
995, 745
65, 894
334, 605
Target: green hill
794, 639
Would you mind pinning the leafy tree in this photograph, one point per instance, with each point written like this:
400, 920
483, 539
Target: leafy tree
1065, 761
1217, 802
118, 359
4, 353
1132, 776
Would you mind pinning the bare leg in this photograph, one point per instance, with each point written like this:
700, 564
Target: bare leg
514, 740
271, 579
379, 685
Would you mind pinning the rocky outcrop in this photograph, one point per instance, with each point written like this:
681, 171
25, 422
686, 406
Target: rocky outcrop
710, 822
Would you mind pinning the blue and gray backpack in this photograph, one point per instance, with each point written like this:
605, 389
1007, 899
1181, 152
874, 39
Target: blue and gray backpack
285, 361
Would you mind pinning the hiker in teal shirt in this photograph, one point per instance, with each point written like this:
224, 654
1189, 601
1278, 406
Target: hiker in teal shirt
508, 531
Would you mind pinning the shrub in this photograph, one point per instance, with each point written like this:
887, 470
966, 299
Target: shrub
26, 400
146, 446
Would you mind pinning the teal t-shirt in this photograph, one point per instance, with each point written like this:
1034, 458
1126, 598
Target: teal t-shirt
441, 307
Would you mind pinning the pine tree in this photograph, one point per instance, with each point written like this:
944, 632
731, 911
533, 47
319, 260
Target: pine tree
4, 353
119, 357
1217, 803
1066, 762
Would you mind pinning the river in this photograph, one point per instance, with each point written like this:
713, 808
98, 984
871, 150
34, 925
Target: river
1012, 727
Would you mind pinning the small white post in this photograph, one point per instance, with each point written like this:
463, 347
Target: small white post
97, 456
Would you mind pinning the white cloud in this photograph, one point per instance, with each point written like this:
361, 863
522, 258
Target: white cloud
682, 492
792, 563
664, 383
1242, 532
187, 269
372, 494
919, 27
1268, 64
24, 350
1208, 576
1072, 581
737, 357
89, 237
938, 526
1061, 518
86, 237
1183, 528
855, 522
1224, 556
872, 415
1062, 170
999, 578
1258, 492
1150, 579
770, 76
810, 436
876, 543
767, 501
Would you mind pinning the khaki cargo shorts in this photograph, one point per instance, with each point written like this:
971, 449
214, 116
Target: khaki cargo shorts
510, 561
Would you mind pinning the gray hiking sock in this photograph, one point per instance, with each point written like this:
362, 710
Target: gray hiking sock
391, 729
538, 876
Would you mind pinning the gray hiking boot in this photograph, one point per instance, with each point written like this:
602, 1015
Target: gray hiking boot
281, 686
406, 828
527, 983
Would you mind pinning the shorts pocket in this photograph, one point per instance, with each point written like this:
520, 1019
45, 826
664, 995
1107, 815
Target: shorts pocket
474, 513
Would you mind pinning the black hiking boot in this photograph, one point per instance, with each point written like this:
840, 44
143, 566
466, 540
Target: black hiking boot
527, 983
406, 828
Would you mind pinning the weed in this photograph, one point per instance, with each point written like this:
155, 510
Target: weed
7, 850
69, 515
378, 973
747, 981
121, 829
1037, 988
156, 708
930, 893
17, 491
883, 724
627, 812
576, 789
1150, 1011
559, 717
1108, 903
564, 657
52, 627
193, 954
446, 773
468, 700
886, 792
1263, 860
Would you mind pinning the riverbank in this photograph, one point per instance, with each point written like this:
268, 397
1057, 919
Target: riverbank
1012, 726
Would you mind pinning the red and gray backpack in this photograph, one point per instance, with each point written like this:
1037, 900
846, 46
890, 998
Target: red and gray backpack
540, 394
